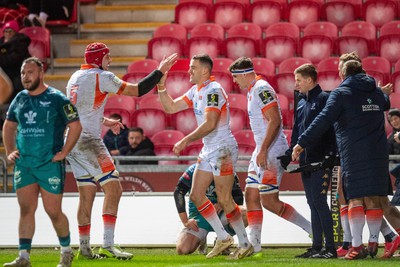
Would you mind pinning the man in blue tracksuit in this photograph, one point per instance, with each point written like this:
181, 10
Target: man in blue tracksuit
357, 108
316, 182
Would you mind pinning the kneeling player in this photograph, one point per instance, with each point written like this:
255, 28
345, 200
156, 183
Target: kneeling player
194, 235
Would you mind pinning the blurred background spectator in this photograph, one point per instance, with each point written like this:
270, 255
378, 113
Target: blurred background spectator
115, 142
139, 145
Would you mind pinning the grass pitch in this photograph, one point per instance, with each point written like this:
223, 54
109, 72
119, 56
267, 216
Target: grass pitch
167, 258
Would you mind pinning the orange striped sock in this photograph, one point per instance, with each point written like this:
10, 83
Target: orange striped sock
357, 222
84, 235
374, 222
344, 219
236, 221
207, 210
290, 214
255, 220
109, 222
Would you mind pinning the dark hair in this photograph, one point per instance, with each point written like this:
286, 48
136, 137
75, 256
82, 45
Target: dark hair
116, 116
241, 63
352, 67
136, 129
205, 60
34, 60
307, 70
393, 112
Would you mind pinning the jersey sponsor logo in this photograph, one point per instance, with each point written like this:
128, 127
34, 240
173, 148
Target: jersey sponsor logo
212, 100
70, 112
370, 106
44, 104
266, 97
54, 182
30, 117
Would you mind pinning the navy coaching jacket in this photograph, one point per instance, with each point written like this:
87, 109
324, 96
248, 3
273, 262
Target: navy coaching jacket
308, 108
356, 108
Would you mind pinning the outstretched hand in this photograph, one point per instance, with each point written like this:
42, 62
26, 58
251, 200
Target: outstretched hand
166, 63
114, 125
387, 89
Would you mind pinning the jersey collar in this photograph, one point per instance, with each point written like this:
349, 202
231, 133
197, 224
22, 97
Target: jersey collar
212, 79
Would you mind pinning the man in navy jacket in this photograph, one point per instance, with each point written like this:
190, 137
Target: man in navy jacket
356, 108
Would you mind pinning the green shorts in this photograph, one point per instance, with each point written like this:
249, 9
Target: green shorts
50, 176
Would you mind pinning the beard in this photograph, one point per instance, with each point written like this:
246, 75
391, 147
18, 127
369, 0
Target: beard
34, 85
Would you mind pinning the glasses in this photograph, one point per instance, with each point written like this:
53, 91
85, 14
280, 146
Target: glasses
8, 31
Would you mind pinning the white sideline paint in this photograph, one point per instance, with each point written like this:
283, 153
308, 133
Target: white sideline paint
143, 219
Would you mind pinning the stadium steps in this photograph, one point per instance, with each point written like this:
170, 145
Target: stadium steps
137, 13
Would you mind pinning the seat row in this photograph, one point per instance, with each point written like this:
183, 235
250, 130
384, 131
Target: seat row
279, 76
279, 41
264, 13
150, 115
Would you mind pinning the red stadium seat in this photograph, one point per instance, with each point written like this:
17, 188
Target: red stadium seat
389, 41
280, 41
205, 39
265, 68
238, 112
191, 13
379, 12
222, 74
167, 39
193, 149
65, 22
122, 105
40, 45
318, 41
287, 111
328, 73
359, 36
146, 65
7, 14
246, 144
167, 137
303, 12
229, 12
149, 101
377, 67
177, 83
151, 120
284, 79
341, 12
264, 13
184, 121
137, 70
243, 40
396, 77
395, 100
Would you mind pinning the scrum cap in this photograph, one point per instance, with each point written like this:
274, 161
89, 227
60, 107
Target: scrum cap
95, 52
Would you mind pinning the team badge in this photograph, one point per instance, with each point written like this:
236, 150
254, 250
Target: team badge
212, 100
266, 97
70, 111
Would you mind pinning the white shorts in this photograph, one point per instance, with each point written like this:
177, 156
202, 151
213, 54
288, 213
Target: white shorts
219, 159
90, 157
201, 234
267, 181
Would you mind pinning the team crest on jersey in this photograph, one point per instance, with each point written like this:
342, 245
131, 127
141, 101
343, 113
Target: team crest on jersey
70, 111
54, 182
30, 117
266, 96
212, 100
44, 104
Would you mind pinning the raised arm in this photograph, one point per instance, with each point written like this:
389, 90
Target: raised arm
149, 82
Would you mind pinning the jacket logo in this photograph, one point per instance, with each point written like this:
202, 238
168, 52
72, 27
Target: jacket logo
30, 116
